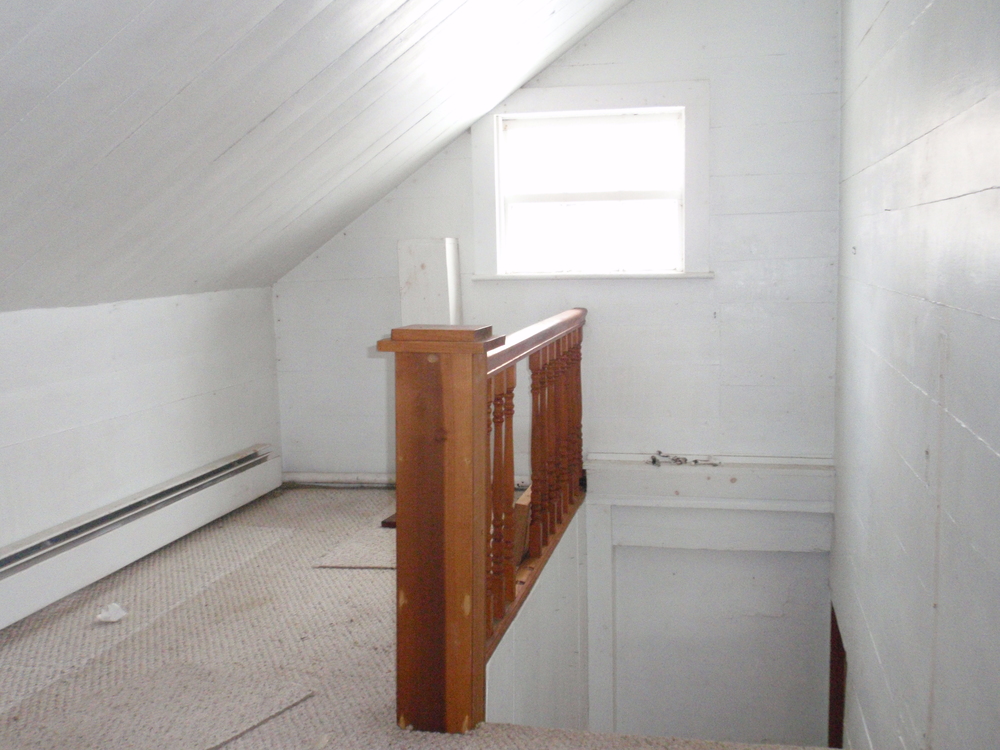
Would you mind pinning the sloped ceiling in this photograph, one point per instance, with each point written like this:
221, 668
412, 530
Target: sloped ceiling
157, 147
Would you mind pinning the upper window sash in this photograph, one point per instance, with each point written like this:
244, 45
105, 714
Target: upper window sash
691, 97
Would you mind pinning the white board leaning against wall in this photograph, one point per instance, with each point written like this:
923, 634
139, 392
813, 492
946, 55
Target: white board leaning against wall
429, 281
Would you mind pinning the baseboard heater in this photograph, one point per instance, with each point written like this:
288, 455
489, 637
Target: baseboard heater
43, 568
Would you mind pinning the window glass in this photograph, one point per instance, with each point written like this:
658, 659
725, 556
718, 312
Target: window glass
591, 193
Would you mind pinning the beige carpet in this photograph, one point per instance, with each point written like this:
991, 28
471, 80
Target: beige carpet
66, 636
368, 548
228, 627
177, 705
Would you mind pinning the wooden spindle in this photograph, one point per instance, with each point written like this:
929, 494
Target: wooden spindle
490, 472
548, 428
568, 421
536, 529
509, 564
555, 480
552, 439
498, 488
565, 471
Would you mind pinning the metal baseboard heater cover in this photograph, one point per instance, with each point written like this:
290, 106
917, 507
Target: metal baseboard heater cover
30, 551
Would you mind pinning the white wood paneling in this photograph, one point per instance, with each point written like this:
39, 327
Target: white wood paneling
337, 394
922, 80
100, 402
155, 148
722, 645
708, 598
670, 365
737, 364
600, 617
20, 17
916, 560
538, 674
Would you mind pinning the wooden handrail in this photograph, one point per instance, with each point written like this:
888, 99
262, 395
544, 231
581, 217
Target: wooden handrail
467, 552
532, 338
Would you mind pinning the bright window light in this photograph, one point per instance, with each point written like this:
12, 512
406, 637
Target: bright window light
591, 193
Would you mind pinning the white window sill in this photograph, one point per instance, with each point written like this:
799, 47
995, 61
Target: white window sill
578, 276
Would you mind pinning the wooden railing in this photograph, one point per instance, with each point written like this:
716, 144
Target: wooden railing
467, 551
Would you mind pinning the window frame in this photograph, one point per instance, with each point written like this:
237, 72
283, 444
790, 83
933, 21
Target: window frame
505, 197
693, 96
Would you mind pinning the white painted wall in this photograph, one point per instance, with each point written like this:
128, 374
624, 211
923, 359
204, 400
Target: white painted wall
100, 402
337, 402
537, 675
916, 562
708, 600
740, 364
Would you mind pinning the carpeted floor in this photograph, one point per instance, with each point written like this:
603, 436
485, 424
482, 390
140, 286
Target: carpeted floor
234, 639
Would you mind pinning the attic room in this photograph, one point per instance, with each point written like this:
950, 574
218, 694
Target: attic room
203, 209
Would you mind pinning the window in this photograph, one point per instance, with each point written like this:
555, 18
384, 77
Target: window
598, 192
593, 182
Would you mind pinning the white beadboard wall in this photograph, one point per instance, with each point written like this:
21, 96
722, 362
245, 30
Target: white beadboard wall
916, 560
741, 364
100, 402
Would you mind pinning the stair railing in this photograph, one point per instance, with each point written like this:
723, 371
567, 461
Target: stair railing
467, 551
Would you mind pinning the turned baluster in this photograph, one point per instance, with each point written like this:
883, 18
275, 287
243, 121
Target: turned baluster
551, 451
490, 469
555, 436
509, 564
551, 441
539, 520
564, 439
568, 431
565, 487
498, 488
552, 433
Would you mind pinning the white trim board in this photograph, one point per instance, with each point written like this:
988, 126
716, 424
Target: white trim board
713, 503
30, 590
338, 478
726, 530
824, 462
734, 482
593, 276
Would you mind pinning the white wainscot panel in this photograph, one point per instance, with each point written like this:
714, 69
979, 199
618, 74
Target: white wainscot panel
721, 645
708, 597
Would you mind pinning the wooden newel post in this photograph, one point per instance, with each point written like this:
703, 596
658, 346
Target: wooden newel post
442, 524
